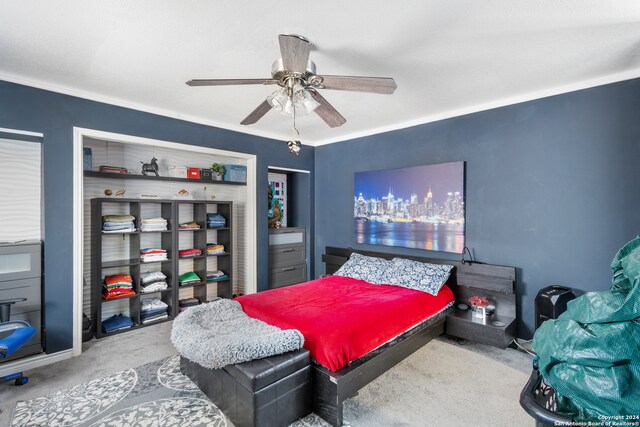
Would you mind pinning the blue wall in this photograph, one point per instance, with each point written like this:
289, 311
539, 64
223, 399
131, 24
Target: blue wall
55, 115
551, 185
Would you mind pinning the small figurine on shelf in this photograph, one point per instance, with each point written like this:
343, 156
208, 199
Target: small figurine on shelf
274, 221
150, 167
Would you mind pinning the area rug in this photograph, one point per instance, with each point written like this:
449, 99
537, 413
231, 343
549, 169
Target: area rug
155, 394
441, 384
152, 395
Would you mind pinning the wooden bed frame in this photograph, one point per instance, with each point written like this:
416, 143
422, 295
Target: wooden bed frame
332, 388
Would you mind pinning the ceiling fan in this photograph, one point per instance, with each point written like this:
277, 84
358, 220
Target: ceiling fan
296, 75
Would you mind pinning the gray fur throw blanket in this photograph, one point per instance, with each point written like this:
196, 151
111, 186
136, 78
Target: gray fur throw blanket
220, 333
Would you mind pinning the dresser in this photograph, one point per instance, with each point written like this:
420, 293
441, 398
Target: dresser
21, 277
287, 256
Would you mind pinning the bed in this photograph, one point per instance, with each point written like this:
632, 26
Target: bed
374, 339
340, 374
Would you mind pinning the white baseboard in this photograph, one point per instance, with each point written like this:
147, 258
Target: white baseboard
32, 362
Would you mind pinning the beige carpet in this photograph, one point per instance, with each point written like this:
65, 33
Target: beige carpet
446, 384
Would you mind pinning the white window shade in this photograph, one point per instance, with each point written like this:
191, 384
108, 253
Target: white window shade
20, 190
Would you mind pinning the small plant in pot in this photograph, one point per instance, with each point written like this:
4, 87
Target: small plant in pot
217, 171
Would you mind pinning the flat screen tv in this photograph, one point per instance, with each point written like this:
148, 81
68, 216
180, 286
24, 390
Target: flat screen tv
420, 207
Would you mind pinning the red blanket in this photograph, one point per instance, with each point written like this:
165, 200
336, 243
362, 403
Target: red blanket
342, 319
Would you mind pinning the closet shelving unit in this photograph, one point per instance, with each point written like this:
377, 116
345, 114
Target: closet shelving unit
172, 240
194, 210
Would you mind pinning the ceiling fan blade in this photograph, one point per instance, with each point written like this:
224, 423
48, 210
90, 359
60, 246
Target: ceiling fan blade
295, 52
381, 85
326, 111
225, 82
257, 113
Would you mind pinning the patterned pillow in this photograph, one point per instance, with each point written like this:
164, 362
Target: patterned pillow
417, 275
370, 269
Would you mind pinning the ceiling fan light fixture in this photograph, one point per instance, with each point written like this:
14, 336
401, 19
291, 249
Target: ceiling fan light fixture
303, 100
278, 100
300, 99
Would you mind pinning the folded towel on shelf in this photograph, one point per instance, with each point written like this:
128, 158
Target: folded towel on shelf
212, 276
153, 227
152, 313
123, 230
152, 276
154, 287
152, 251
116, 322
153, 309
191, 225
118, 218
117, 286
214, 249
216, 220
153, 224
153, 221
189, 302
185, 304
154, 318
118, 278
151, 304
153, 257
189, 252
189, 278
118, 227
108, 294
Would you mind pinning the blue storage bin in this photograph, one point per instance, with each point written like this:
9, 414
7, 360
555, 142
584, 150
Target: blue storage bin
236, 173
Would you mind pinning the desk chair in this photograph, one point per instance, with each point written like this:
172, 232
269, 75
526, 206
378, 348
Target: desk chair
13, 335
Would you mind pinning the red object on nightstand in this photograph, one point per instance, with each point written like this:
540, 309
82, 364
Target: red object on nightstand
193, 173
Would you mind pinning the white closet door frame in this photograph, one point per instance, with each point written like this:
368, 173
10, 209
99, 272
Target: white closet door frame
78, 180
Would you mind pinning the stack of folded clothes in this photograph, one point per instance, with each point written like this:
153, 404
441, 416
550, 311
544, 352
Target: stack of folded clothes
152, 310
153, 224
215, 220
117, 286
191, 225
189, 278
118, 223
184, 304
189, 253
116, 322
213, 276
214, 249
153, 281
153, 254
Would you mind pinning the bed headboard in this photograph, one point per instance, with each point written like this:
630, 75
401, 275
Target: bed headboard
496, 282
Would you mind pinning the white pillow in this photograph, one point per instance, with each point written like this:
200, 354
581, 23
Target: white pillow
420, 276
370, 269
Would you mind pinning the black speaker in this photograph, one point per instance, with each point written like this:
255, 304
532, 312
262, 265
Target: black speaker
551, 302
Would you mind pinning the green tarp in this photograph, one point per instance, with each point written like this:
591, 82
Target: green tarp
591, 354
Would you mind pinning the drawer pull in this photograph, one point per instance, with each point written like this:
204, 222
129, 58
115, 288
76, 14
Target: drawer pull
289, 269
287, 250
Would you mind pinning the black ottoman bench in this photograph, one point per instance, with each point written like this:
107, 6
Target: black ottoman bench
274, 391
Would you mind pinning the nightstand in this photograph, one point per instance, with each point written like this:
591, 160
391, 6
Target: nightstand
497, 285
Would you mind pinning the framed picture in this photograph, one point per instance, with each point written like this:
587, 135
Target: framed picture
420, 207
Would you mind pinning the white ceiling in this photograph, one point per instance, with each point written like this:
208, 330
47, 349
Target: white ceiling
448, 57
